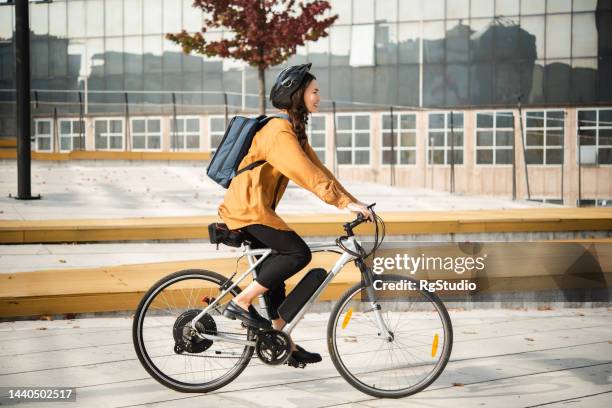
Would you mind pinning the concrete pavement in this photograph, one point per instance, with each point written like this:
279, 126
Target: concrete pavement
501, 358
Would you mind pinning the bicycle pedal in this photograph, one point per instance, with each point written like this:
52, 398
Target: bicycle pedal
295, 364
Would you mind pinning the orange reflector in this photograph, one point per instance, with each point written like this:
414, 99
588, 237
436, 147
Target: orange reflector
347, 317
434, 346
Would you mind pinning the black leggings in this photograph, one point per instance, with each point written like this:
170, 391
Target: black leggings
293, 255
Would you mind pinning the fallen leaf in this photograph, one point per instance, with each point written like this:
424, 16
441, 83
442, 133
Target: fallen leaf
41, 328
529, 339
457, 384
62, 260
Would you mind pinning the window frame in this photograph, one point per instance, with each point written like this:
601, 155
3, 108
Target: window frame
446, 146
49, 136
146, 133
596, 127
352, 149
72, 135
545, 129
210, 132
398, 148
108, 119
323, 132
185, 133
494, 147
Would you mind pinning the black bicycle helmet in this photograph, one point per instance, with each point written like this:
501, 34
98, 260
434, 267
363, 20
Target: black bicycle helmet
287, 82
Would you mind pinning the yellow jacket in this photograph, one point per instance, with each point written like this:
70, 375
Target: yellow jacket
253, 194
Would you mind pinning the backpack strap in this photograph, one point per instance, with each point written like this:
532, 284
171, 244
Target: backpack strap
262, 119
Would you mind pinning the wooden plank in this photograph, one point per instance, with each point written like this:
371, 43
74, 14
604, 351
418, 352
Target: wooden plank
110, 155
404, 223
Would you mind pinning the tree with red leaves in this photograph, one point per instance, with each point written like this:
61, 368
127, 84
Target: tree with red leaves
267, 32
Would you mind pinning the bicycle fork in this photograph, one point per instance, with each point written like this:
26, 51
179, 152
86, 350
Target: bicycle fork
368, 279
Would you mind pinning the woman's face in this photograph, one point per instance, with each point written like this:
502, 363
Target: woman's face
311, 96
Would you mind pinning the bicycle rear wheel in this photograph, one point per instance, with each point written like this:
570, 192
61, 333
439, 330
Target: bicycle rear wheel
393, 366
167, 349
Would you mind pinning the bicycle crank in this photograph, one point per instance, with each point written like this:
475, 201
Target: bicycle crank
273, 347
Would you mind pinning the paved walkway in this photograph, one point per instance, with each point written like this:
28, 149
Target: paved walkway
554, 358
111, 190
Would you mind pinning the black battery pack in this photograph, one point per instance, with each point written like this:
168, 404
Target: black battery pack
301, 293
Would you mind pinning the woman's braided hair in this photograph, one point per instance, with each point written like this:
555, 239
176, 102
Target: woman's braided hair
298, 113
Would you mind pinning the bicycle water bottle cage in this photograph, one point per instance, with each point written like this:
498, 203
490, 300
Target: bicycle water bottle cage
219, 233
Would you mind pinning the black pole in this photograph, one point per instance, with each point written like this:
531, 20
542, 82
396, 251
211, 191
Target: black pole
128, 141
24, 130
579, 166
513, 159
55, 144
81, 121
174, 135
392, 175
563, 160
520, 112
335, 168
452, 160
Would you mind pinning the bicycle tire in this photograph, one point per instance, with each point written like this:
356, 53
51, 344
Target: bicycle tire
143, 357
376, 392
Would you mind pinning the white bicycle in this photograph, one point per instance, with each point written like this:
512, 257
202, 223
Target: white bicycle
385, 346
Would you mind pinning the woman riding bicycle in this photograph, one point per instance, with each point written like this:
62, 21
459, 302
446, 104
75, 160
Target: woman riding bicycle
250, 201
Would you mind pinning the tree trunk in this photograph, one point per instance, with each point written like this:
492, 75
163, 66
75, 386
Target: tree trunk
262, 90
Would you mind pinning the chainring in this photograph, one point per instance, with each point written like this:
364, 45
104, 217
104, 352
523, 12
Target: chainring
185, 340
273, 347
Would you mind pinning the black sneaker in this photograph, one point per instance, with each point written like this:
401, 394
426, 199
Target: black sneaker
249, 317
301, 357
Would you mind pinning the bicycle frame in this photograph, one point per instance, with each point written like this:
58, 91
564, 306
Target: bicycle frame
351, 243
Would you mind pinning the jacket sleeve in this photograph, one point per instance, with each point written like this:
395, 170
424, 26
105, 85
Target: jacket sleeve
315, 159
284, 153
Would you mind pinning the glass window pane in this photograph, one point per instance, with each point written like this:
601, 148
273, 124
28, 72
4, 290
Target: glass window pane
386, 44
154, 142
587, 137
318, 123
535, 119
484, 138
558, 35
436, 139
113, 17
605, 137
64, 127
387, 156
116, 126
535, 138
362, 157
132, 21
386, 10
57, 19
387, 139
457, 120
558, 6
605, 117
555, 119
171, 18
39, 18
585, 5
410, 10
408, 40
438, 156
362, 122
436, 121
604, 156
407, 157
193, 125
584, 35
344, 122
343, 9
554, 156
95, 18
504, 120
534, 156
535, 26
76, 19
362, 45
116, 142
484, 120
153, 17
362, 139
503, 156
193, 142
344, 157
554, 137
138, 125
457, 8
506, 7
455, 138
482, 8
363, 11
503, 138
138, 142
533, 6
344, 140
408, 121
153, 125
433, 9
433, 41
408, 139
318, 140
484, 156
192, 16
217, 124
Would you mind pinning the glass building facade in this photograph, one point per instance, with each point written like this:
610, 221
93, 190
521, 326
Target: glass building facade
454, 71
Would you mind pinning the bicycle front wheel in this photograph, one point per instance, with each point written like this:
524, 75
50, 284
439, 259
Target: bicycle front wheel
396, 364
166, 345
